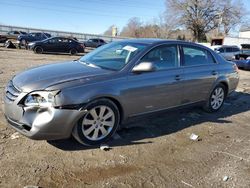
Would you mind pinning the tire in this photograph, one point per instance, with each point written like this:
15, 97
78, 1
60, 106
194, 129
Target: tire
73, 51
24, 43
216, 99
38, 50
99, 123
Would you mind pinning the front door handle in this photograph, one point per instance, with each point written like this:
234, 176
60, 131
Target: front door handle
214, 72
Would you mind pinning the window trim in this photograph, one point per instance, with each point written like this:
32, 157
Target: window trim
198, 65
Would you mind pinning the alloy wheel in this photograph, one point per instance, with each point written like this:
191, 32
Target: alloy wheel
217, 98
98, 123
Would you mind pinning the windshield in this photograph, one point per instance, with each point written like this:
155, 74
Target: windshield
113, 56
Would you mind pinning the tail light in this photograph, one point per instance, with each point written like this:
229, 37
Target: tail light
82, 45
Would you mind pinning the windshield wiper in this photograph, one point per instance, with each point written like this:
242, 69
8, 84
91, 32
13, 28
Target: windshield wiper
88, 64
96, 66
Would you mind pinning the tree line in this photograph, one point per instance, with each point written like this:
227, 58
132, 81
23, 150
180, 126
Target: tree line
194, 20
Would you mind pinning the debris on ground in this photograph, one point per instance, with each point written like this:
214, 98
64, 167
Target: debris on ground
14, 136
31, 186
187, 184
194, 137
225, 178
105, 147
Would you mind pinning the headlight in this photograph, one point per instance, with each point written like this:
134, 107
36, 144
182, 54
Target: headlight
40, 98
31, 44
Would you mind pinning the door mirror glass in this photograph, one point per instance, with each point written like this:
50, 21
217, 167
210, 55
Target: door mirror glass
144, 67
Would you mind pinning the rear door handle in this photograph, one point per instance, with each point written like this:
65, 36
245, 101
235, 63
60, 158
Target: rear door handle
177, 77
214, 72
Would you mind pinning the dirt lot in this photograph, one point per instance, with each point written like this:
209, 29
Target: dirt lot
153, 152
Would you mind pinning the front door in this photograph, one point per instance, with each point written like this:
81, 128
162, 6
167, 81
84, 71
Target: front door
161, 89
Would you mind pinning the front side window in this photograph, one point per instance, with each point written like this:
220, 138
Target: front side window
113, 56
196, 56
221, 50
163, 57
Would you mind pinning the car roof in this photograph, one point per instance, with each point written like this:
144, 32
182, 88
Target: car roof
155, 41
62, 38
229, 46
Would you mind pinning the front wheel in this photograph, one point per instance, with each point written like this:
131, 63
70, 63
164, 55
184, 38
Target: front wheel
38, 50
216, 99
98, 124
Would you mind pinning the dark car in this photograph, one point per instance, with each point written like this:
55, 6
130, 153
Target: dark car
31, 37
242, 59
11, 35
91, 97
57, 44
94, 43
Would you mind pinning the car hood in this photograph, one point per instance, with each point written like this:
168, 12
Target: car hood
45, 76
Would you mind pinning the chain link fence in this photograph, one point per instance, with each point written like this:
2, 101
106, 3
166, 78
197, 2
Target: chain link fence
80, 36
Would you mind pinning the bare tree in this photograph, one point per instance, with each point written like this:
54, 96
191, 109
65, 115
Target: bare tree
231, 15
132, 29
199, 16
109, 31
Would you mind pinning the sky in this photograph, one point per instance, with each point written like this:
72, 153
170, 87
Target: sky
84, 16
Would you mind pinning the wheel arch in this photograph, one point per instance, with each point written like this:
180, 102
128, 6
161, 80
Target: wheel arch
112, 99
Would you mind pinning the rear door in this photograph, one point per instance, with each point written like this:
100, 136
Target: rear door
200, 72
156, 90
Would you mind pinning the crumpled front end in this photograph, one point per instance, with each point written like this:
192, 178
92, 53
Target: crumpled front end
41, 123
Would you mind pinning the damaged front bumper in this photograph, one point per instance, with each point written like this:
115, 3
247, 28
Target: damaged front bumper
40, 123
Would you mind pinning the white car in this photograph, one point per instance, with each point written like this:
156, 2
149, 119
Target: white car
228, 52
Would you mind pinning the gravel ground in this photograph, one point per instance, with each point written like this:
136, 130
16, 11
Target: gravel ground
153, 151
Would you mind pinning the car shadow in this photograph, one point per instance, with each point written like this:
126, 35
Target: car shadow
136, 130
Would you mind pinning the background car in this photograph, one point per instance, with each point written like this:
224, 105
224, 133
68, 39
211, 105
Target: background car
228, 52
57, 44
30, 37
94, 43
242, 59
11, 35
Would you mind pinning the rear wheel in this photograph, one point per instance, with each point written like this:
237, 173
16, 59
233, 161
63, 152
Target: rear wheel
38, 50
216, 99
73, 51
98, 124
24, 43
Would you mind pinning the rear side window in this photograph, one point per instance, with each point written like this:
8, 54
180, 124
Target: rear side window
196, 56
163, 57
236, 49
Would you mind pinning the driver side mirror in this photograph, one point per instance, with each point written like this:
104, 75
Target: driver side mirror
144, 67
